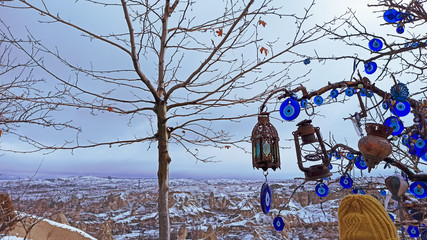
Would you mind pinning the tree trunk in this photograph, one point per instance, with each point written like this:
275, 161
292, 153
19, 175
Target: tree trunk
163, 172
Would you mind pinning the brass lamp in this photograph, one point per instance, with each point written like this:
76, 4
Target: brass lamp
265, 144
310, 136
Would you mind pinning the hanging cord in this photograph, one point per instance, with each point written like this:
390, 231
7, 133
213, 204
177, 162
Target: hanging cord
265, 175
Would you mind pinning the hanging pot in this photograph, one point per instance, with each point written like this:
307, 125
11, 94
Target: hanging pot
375, 146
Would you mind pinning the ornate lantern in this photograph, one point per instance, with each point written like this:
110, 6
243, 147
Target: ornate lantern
375, 146
310, 137
265, 144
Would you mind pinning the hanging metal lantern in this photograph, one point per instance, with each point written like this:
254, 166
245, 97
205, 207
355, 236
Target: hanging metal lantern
375, 146
396, 185
313, 149
265, 144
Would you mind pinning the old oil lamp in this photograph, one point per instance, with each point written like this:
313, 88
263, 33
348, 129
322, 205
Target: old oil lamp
265, 144
265, 154
312, 149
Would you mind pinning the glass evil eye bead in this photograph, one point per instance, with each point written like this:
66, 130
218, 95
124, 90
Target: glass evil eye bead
424, 157
401, 109
362, 192
420, 143
400, 30
360, 163
390, 16
414, 44
334, 93
307, 61
330, 166
318, 100
418, 189
278, 223
413, 231
294, 96
363, 92
424, 235
375, 44
369, 94
416, 214
350, 156
383, 192
265, 198
349, 92
405, 139
304, 103
385, 105
355, 191
321, 190
394, 123
290, 109
370, 67
346, 181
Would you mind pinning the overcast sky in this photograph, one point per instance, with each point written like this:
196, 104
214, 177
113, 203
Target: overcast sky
140, 160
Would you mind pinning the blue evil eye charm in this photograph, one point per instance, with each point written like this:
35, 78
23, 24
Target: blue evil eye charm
391, 217
385, 105
390, 16
360, 163
370, 67
400, 30
346, 181
337, 155
424, 157
399, 92
304, 103
290, 109
350, 156
278, 223
405, 139
329, 155
330, 166
383, 192
349, 92
363, 92
318, 100
362, 192
369, 94
334, 93
394, 123
307, 61
418, 189
294, 96
375, 44
401, 109
321, 190
414, 44
424, 235
265, 198
355, 190
413, 231
420, 143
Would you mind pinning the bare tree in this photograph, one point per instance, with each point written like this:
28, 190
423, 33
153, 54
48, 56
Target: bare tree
205, 65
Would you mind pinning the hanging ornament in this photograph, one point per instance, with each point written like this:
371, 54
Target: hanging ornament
399, 92
395, 124
391, 217
369, 94
349, 92
330, 166
375, 44
405, 139
307, 61
346, 181
385, 105
424, 235
400, 30
290, 109
304, 103
390, 16
397, 186
355, 191
370, 67
418, 189
278, 223
401, 109
361, 192
321, 190
375, 146
360, 163
334, 93
383, 192
350, 156
413, 231
265, 197
318, 100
